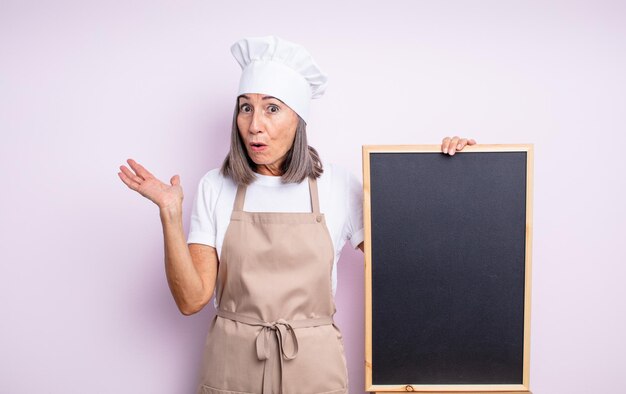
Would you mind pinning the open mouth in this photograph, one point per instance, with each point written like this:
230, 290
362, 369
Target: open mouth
257, 146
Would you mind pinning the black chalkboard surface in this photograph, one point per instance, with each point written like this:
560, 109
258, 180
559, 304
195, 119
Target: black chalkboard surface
448, 268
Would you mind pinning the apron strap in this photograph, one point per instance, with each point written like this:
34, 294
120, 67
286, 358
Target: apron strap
239, 198
283, 331
315, 201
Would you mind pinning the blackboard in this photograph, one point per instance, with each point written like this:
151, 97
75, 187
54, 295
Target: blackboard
448, 243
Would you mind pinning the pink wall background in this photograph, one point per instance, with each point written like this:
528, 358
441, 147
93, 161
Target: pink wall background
85, 84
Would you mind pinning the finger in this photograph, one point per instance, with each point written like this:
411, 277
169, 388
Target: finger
128, 182
139, 169
453, 145
175, 181
445, 143
130, 175
471, 141
461, 144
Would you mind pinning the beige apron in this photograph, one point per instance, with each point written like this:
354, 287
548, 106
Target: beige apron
274, 332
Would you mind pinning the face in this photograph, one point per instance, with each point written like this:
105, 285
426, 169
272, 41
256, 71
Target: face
268, 128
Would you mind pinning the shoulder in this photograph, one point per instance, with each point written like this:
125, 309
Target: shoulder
339, 185
338, 176
214, 182
214, 177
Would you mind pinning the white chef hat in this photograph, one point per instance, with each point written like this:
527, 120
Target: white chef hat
279, 68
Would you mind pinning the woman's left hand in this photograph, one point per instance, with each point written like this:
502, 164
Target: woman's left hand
451, 145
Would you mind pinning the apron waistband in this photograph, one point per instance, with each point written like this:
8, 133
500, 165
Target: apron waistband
283, 330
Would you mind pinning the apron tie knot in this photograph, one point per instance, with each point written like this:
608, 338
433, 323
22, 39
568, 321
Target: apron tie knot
283, 331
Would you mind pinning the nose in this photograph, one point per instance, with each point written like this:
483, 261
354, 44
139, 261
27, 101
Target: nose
256, 123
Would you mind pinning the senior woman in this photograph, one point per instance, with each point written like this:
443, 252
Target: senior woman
266, 232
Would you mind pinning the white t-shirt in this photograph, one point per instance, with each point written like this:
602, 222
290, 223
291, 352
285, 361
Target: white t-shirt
340, 196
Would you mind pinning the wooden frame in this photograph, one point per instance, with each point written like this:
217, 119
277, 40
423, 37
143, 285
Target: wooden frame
432, 389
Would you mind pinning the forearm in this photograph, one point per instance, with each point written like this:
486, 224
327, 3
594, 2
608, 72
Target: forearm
182, 277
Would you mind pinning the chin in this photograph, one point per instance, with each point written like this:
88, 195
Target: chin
259, 161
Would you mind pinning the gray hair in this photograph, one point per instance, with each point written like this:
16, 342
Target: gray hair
302, 160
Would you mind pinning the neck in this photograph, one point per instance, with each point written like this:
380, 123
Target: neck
269, 169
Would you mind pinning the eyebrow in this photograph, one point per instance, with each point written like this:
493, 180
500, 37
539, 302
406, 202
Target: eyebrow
264, 98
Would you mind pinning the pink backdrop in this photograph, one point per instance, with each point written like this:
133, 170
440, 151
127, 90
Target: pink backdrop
86, 84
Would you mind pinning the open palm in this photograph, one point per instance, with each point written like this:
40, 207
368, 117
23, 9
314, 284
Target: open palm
143, 182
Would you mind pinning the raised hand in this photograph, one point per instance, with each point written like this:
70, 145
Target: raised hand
146, 184
451, 145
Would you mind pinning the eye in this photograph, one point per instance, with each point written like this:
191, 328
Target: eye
245, 108
273, 108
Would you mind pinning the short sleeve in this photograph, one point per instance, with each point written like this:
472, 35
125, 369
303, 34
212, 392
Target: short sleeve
355, 211
202, 227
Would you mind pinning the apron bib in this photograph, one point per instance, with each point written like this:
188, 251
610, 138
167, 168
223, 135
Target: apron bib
274, 332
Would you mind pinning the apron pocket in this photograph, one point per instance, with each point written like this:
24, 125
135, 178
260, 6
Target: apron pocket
204, 389
230, 360
320, 366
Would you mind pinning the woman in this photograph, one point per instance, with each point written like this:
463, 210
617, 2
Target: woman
274, 234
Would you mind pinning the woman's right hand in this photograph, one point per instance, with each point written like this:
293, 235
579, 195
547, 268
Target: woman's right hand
144, 183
